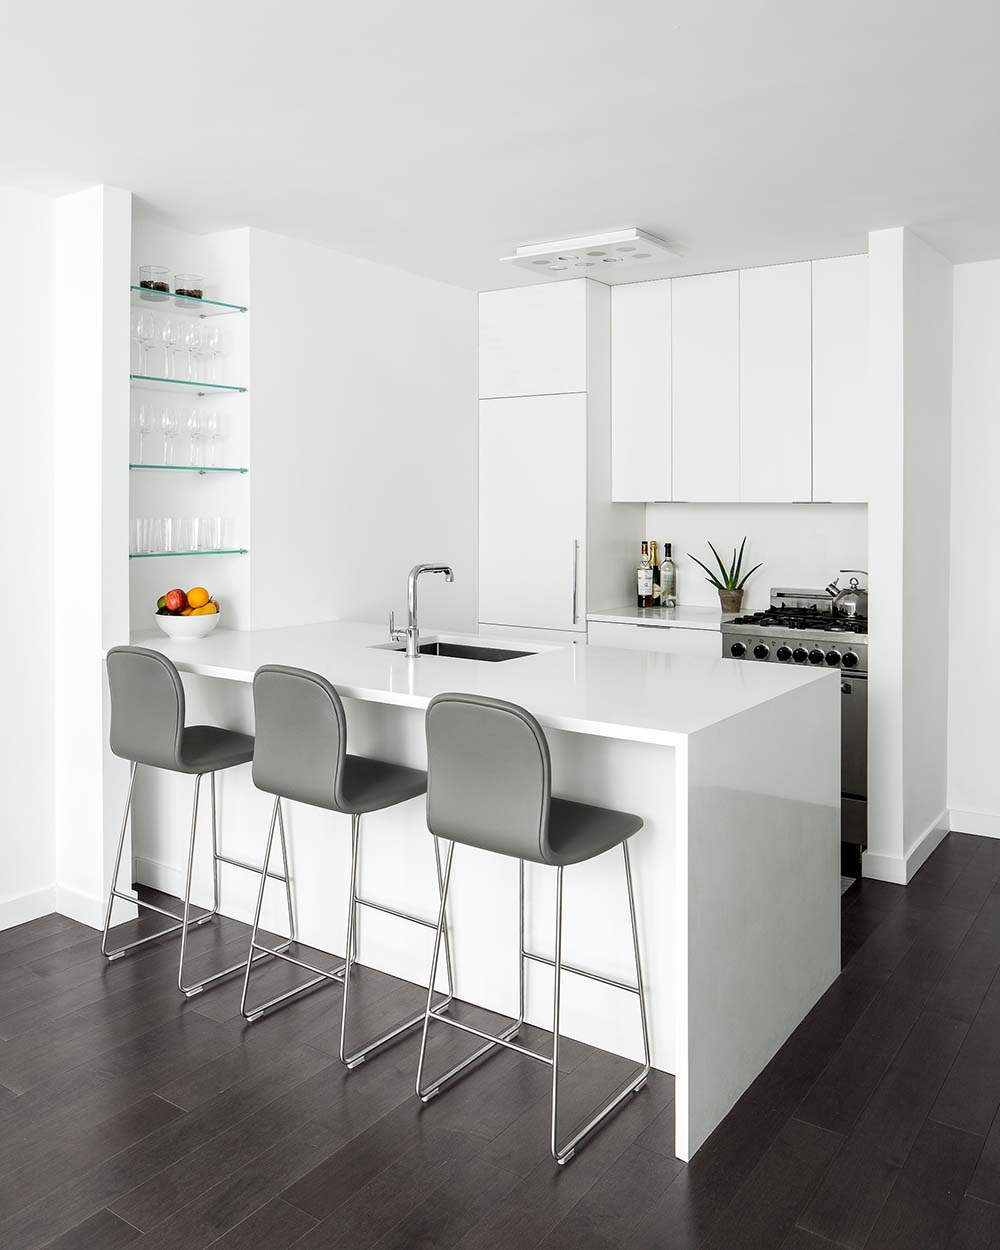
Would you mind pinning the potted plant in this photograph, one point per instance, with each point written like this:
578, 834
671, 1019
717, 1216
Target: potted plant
733, 579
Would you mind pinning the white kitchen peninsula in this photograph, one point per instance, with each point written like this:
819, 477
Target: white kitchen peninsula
734, 768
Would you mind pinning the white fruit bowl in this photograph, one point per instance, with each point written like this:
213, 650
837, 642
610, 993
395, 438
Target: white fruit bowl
185, 627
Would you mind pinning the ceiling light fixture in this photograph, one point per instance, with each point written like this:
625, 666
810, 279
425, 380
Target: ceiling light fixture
592, 254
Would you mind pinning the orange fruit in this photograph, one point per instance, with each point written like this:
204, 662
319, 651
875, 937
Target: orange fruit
198, 596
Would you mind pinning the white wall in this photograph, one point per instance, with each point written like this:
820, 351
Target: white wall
910, 333
27, 846
800, 544
974, 678
364, 437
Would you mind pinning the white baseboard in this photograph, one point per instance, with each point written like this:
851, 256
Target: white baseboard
985, 824
167, 878
84, 908
25, 907
900, 870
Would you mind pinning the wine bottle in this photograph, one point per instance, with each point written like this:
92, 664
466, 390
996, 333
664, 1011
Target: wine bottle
644, 579
654, 561
668, 580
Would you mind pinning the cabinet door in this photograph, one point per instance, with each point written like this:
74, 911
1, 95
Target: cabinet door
776, 384
533, 340
706, 382
533, 511
674, 640
640, 391
840, 406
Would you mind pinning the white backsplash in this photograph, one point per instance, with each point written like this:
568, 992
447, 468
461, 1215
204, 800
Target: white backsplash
799, 544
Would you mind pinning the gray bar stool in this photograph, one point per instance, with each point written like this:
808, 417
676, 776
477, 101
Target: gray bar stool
147, 727
490, 786
301, 755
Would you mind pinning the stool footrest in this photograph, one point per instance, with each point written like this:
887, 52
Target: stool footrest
322, 975
582, 972
393, 911
494, 1039
254, 868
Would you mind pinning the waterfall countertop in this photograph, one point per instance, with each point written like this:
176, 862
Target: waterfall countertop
630, 695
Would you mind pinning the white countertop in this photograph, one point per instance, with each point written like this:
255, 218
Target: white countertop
633, 695
681, 617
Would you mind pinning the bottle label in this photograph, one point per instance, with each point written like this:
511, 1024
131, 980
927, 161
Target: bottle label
645, 582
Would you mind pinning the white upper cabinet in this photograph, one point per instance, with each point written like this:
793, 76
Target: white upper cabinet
533, 511
533, 340
839, 330
706, 387
640, 391
775, 384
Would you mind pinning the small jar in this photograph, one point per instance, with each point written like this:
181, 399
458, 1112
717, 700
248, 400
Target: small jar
190, 284
154, 278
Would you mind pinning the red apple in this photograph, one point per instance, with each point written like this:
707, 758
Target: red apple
175, 600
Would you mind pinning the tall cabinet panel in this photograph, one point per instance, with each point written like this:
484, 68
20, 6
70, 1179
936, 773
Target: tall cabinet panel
640, 391
775, 384
533, 511
839, 328
533, 340
706, 387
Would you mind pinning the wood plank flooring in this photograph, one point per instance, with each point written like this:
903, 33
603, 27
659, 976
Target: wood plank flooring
131, 1117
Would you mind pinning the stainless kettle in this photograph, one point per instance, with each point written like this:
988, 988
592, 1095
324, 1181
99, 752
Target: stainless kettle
852, 601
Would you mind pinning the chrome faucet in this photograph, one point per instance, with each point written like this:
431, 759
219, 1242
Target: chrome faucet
412, 633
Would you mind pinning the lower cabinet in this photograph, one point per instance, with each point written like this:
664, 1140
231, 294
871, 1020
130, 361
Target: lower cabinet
673, 639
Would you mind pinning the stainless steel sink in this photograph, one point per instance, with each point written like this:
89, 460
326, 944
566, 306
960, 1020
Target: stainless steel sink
462, 651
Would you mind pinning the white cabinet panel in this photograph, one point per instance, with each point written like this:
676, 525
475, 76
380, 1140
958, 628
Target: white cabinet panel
706, 387
839, 328
533, 511
640, 391
775, 384
533, 340
673, 640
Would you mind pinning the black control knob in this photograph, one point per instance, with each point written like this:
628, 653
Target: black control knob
738, 649
833, 659
800, 655
784, 653
850, 660
816, 656
761, 651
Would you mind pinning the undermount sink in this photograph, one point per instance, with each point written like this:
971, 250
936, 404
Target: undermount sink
462, 651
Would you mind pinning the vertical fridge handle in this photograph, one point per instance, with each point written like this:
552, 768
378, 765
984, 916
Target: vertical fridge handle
576, 567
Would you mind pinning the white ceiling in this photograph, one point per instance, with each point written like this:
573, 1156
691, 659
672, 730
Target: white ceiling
436, 136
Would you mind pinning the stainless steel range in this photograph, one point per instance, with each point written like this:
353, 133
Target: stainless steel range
800, 628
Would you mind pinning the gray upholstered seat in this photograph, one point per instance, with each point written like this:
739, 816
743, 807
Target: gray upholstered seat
147, 727
491, 787
147, 718
301, 748
301, 754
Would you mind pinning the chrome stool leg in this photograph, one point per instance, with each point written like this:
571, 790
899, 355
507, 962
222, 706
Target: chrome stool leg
505, 1038
183, 921
561, 1152
357, 1057
258, 952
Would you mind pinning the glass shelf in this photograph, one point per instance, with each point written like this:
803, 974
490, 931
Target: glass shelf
146, 383
143, 297
190, 468
162, 555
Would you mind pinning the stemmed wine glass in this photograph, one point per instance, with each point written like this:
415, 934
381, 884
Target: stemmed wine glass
145, 329
180, 368
160, 339
194, 429
210, 431
142, 423
168, 425
216, 343
191, 338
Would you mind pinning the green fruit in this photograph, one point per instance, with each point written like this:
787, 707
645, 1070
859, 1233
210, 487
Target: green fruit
161, 603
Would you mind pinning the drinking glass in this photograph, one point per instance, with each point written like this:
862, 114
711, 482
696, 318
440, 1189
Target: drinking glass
135, 343
191, 339
192, 424
135, 535
160, 344
169, 425
154, 278
191, 284
216, 343
210, 531
155, 541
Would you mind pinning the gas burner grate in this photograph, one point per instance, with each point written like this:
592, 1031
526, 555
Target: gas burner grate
806, 619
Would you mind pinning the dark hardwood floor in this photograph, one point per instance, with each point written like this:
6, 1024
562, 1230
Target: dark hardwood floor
130, 1117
